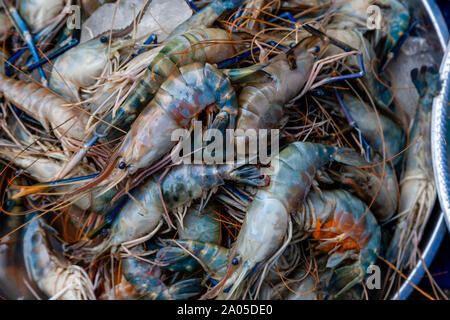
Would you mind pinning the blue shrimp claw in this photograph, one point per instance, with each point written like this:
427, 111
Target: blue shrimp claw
284, 15
344, 47
25, 31
391, 55
72, 43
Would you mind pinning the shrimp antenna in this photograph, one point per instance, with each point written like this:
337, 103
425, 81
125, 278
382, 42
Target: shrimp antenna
26, 190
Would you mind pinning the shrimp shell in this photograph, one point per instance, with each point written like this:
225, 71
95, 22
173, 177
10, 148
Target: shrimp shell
52, 111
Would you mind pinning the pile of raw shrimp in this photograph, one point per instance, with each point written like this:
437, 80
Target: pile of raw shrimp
100, 198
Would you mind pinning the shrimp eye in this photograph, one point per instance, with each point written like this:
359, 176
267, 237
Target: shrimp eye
235, 262
103, 39
122, 165
104, 232
316, 49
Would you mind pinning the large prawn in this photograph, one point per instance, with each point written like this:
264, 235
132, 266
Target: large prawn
180, 99
267, 219
417, 187
142, 215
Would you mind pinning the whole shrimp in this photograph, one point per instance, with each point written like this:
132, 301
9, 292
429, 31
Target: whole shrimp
142, 215
53, 275
198, 45
261, 104
417, 187
181, 97
180, 48
266, 221
267, 91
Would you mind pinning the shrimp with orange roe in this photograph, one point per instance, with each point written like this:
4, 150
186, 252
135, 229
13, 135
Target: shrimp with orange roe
346, 229
344, 235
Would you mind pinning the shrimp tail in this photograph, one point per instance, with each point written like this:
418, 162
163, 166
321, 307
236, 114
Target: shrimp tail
186, 289
176, 259
426, 81
252, 74
345, 278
